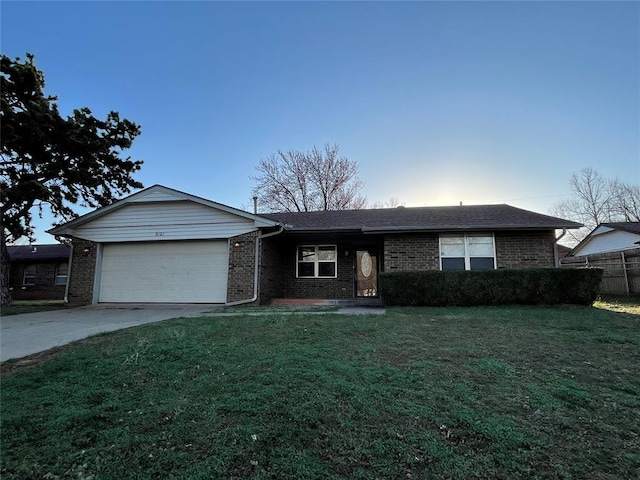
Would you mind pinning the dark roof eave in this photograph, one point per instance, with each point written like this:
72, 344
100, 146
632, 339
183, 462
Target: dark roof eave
290, 229
465, 228
417, 229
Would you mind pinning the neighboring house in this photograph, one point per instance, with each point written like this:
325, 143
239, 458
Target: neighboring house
38, 272
609, 237
615, 247
162, 245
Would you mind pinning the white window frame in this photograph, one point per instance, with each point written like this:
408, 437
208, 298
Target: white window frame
316, 261
465, 237
24, 276
61, 273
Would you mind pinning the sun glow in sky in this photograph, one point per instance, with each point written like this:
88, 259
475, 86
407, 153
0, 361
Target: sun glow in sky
438, 102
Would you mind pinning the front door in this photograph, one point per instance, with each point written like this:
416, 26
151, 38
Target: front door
366, 272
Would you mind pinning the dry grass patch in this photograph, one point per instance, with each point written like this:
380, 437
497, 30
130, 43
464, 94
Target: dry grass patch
619, 303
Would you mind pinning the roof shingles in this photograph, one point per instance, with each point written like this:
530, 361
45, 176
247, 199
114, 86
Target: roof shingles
467, 217
631, 227
38, 252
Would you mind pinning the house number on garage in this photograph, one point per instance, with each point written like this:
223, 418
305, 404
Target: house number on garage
159, 234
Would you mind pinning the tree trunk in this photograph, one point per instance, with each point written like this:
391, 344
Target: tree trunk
5, 293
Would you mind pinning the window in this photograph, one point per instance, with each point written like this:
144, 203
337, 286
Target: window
467, 252
29, 277
61, 274
317, 261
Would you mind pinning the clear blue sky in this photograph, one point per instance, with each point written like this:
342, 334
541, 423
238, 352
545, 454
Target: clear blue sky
438, 102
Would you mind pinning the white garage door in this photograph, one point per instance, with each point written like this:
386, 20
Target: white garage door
172, 272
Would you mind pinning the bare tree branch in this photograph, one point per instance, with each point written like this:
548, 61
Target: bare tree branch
392, 202
320, 179
596, 200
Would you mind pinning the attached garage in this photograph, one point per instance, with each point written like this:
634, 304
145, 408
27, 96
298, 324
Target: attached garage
164, 272
161, 245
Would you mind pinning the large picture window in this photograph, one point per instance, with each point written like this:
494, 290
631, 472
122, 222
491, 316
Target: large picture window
317, 261
467, 252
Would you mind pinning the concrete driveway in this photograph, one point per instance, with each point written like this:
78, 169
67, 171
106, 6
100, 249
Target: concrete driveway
22, 335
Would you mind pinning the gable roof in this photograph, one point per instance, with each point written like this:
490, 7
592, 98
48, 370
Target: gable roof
631, 227
156, 194
404, 219
627, 238
56, 251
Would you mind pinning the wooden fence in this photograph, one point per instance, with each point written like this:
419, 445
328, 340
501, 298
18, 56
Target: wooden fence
621, 270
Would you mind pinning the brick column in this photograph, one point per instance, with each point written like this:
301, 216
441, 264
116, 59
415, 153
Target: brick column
241, 267
83, 269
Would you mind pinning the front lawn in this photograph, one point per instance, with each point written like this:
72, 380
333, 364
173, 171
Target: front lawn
495, 393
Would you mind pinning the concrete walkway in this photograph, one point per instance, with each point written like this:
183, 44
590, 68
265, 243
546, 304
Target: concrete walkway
302, 311
28, 333
362, 311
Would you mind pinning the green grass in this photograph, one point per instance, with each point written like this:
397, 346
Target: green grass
31, 306
438, 393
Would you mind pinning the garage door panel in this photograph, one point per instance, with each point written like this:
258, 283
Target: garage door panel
173, 272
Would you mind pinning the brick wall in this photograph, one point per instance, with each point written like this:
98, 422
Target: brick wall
513, 250
417, 251
83, 269
525, 249
332, 288
401, 252
44, 288
241, 267
271, 270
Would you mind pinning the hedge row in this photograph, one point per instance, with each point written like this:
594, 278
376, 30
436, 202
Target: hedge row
548, 286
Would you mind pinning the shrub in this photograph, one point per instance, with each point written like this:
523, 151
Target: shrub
548, 286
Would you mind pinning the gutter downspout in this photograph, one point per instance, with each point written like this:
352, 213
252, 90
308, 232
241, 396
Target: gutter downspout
66, 287
256, 269
555, 246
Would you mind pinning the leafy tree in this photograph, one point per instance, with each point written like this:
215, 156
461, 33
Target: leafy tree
597, 199
308, 181
48, 161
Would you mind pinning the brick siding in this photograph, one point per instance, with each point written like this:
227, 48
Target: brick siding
241, 267
513, 250
333, 288
271, 270
525, 249
45, 287
83, 269
278, 264
411, 252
